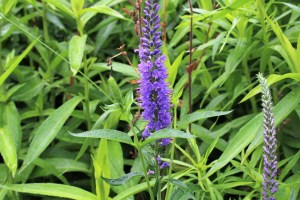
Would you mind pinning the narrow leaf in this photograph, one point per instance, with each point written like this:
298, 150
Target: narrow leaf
122, 180
114, 135
52, 189
104, 10
273, 78
200, 115
166, 133
8, 149
17, 61
49, 129
76, 50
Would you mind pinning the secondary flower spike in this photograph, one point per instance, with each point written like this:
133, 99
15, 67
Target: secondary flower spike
154, 91
269, 184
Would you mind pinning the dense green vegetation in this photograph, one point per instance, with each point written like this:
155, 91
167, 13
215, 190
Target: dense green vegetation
70, 67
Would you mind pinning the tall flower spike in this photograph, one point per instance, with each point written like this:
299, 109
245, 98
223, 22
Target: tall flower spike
270, 184
154, 91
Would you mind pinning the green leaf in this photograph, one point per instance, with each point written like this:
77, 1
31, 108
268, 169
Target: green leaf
179, 34
76, 50
254, 130
286, 44
106, 134
77, 6
63, 5
187, 191
11, 118
122, 180
195, 116
52, 189
166, 133
289, 166
172, 70
133, 190
118, 67
115, 91
49, 129
16, 62
8, 149
104, 10
273, 78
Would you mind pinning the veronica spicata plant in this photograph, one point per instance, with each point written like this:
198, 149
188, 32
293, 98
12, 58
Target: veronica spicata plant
269, 184
154, 92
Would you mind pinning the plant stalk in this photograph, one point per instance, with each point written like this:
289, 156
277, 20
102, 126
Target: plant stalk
137, 144
190, 63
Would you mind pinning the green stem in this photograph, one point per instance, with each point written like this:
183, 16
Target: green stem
157, 172
137, 144
172, 155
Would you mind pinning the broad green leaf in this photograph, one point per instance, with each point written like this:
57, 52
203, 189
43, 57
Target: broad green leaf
273, 78
195, 116
102, 168
166, 133
179, 34
133, 190
11, 118
104, 10
63, 5
7, 5
17, 61
115, 91
109, 134
77, 6
8, 149
172, 71
51, 189
49, 168
187, 191
254, 130
122, 180
76, 52
47, 131
118, 67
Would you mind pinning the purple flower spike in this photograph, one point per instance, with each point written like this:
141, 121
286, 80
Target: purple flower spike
153, 90
270, 184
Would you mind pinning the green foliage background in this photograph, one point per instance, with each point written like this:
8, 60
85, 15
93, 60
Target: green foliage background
54, 79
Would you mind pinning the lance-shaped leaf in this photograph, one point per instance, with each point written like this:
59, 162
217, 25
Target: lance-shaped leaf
49, 129
109, 134
166, 133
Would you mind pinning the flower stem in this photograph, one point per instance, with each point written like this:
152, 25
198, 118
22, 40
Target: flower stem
137, 144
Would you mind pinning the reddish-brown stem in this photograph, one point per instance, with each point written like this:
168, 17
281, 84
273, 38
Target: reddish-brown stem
189, 71
165, 22
139, 2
